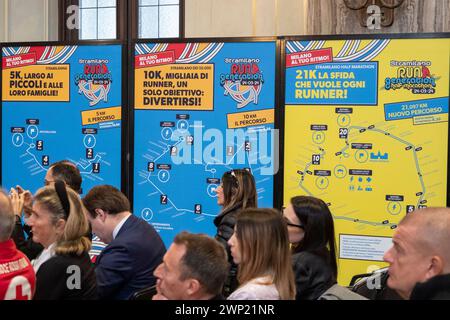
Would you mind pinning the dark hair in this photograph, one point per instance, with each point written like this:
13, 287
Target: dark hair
239, 188
68, 173
318, 226
205, 260
107, 198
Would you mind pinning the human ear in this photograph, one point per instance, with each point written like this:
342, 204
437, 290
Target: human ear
193, 287
435, 268
101, 214
60, 225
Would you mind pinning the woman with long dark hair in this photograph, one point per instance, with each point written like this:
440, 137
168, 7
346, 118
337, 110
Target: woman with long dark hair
237, 191
311, 234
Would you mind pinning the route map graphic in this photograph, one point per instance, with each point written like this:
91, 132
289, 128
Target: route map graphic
366, 131
61, 103
201, 109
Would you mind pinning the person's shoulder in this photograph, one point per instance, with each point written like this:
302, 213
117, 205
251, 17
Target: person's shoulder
255, 291
437, 288
305, 257
56, 265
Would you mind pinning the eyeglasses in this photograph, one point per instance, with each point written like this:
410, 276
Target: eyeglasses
290, 224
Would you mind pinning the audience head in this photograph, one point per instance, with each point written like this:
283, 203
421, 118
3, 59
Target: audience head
58, 217
260, 247
65, 171
194, 267
237, 187
421, 249
311, 228
7, 218
106, 206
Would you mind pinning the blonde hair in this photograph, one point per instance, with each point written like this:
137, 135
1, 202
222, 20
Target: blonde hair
73, 240
264, 244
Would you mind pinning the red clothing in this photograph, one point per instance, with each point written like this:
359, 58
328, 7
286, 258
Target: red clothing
17, 277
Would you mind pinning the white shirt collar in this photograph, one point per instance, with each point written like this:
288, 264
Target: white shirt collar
119, 226
45, 255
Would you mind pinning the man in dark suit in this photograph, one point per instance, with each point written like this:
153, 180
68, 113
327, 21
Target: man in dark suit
134, 248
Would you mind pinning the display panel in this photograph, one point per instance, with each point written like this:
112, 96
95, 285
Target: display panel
61, 103
366, 130
201, 109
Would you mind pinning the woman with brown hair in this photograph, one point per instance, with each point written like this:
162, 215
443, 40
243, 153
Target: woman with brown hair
58, 221
260, 248
237, 191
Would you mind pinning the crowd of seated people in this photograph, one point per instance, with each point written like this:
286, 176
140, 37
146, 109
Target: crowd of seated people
256, 254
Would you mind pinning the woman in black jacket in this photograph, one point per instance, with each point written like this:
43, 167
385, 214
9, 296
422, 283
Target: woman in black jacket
311, 233
63, 270
237, 191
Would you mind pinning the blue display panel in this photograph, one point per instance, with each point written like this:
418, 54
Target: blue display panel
201, 109
61, 103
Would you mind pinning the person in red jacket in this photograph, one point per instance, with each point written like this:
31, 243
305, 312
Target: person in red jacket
17, 277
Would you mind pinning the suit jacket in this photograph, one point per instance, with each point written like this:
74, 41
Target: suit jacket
126, 265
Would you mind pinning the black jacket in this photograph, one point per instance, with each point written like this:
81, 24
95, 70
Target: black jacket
313, 275
57, 279
437, 288
225, 223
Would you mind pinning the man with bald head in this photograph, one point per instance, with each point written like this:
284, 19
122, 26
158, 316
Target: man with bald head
420, 256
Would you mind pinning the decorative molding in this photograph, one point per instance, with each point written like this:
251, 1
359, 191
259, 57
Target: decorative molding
333, 17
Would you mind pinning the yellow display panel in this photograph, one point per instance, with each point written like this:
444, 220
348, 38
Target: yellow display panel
376, 152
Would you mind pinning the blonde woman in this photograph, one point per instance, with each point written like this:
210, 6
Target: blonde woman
58, 222
260, 248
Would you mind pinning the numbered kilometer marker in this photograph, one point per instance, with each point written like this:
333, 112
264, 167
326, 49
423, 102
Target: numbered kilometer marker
163, 199
198, 209
39, 145
89, 153
151, 167
343, 133
96, 168
190, 140
45, 161
316, 159
248, 146
410, 208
